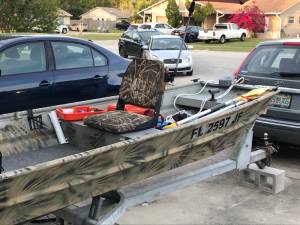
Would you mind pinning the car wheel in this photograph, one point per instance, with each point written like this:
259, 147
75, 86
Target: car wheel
193, 38
190, 38
122, 52
64, 31
243, 37
190, 73
222, 39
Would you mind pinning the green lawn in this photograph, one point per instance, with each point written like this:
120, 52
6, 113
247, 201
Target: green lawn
97, 37
232, 46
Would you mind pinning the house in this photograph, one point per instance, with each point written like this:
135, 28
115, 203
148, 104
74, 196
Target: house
156, 13
282, 16
103, 18
64, 17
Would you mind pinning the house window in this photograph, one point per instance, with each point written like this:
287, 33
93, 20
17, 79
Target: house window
291, 19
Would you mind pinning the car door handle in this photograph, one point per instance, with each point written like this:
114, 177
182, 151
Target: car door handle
44, 83
98, 77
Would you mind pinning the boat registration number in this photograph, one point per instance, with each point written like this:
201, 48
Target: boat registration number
282, 101
216, 125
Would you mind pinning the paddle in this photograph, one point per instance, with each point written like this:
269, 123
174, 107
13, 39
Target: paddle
249, 96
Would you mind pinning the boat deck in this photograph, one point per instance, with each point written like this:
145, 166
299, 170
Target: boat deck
31, 158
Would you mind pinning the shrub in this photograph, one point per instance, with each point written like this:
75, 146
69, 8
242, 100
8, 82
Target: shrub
250, 18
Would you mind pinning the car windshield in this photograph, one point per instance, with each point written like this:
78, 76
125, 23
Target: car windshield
146, 35
273, 61
167, 44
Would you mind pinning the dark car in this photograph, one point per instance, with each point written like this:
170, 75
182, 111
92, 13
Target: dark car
122, 24
277, 63
40, 71
132, 41
192, 32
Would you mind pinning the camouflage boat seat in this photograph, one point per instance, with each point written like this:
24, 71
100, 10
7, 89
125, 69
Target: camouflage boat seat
142, 85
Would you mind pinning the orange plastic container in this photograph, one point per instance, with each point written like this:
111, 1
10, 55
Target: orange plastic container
77, 113
132, 108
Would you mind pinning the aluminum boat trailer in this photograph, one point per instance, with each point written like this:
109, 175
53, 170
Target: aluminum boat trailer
108, 208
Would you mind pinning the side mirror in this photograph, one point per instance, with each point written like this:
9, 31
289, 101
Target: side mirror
190, 46
145, 47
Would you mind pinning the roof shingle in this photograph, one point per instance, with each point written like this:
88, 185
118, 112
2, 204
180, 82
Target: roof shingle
114, 11
273, 6
223, 6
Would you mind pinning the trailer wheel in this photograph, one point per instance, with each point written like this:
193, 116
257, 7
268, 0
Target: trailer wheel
222, 39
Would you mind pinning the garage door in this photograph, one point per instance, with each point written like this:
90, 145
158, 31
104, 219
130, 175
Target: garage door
161, 19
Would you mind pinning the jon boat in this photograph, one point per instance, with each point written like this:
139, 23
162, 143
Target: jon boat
40, 175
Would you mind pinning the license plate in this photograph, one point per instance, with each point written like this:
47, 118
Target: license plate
282, 101
176, 34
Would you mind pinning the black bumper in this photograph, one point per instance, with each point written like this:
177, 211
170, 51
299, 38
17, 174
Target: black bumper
279, 130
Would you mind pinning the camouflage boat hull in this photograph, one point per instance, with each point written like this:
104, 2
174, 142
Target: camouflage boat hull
38, 189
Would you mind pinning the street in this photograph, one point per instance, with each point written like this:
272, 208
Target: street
208, 65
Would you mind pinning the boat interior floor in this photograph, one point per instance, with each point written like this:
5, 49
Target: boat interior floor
30, 158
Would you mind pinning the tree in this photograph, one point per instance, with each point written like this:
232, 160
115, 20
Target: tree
78, 7
250, 18
28, 15
138, 6
201, 12
173, 14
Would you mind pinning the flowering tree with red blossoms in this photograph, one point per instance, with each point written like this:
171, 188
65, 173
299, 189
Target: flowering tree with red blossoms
250, 18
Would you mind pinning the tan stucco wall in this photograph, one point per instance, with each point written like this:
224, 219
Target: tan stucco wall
273, 28
209, 22
65, 20
99, 14
291, 30
158, 12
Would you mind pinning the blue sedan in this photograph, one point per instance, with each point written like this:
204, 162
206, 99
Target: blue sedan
39, 71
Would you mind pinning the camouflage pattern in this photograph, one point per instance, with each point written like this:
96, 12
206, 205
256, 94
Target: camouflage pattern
142, 83
16, 137
117, 121
43, 188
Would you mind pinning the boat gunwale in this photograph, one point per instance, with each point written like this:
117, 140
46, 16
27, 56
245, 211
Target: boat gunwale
52, 163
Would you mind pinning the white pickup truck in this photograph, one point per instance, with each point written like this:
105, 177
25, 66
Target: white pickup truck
222, 32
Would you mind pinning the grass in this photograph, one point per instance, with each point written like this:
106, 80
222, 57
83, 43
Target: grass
97, 37
113, 35
230, 46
